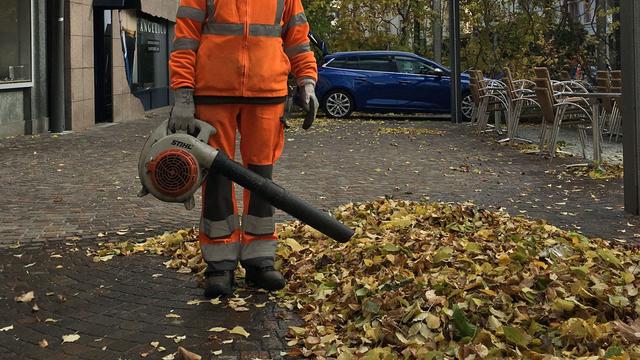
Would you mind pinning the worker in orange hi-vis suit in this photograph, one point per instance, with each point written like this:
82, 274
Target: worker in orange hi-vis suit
229, 67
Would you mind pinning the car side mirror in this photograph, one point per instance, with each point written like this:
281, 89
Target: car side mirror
436, 72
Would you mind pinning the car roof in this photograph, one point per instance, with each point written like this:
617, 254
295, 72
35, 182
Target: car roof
374, 52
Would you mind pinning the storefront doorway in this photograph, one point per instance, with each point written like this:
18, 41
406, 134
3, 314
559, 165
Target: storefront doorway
150, 76
103, 59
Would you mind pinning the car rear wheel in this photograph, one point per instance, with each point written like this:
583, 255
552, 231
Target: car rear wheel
467, 107
338, 104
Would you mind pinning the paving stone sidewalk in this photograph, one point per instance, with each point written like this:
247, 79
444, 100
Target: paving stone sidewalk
60, 192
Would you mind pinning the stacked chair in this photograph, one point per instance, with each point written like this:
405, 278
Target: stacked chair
491, 99
603, 85
520, 94
615, 123
560, 104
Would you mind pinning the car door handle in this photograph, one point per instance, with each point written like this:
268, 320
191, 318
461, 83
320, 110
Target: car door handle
405, 82
364, 80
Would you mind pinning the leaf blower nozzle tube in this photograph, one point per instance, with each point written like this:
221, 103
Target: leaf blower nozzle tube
280, 198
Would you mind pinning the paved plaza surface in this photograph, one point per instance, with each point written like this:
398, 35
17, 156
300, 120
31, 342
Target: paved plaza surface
63, 193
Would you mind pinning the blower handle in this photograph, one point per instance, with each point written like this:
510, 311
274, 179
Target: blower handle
281, 199
203, 130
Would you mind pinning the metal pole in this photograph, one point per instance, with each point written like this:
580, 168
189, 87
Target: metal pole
454, 56
630, 51
57, 71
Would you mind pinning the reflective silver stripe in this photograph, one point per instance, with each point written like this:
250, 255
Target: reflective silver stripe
211, 10
220, 252
187, 12
258, 225
258, 249
279, 12
224, 29
298, 19
185, 44
218, 229
265, 30
293, 51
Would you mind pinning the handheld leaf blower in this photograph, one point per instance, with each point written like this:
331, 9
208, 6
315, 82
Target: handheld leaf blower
172, 167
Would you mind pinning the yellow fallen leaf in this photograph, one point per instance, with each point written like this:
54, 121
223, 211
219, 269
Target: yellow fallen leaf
239, 330
293, 244
6, 328
217, 352
26, 297
217, 329
70, 338
103, 258
43, 343
179, 339
50, 320
172, 316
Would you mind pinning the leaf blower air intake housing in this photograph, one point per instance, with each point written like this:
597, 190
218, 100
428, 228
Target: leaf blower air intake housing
173, 166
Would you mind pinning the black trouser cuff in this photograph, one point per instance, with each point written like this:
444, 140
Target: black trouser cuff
215, 266
258, 262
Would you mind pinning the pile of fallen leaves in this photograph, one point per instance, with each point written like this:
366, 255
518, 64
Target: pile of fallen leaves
604, 172
534, 149
182, 246
412, 131
433, 281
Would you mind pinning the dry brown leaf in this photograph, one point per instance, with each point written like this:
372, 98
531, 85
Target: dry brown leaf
184, 354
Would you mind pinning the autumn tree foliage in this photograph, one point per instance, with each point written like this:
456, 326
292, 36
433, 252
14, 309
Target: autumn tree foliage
495, 33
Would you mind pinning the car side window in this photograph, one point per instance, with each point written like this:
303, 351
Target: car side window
377, 63
344, 63
337, 63
407, 65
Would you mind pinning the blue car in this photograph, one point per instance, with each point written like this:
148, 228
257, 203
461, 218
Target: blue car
386, 81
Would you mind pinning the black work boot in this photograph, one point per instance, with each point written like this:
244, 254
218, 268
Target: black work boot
264, 277
218, 283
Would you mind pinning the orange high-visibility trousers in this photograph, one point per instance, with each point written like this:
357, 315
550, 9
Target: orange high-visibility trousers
224, 236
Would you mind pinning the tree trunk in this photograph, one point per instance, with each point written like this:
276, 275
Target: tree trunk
417, 36
601, 34
437, 31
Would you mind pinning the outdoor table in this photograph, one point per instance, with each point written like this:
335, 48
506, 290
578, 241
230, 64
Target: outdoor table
593, 99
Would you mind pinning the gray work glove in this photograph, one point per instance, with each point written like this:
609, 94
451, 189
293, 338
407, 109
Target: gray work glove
182, 116
309, 103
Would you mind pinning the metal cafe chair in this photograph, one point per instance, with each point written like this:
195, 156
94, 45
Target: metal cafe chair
603, 85
519, 94
491, 94
615, 123
555, 110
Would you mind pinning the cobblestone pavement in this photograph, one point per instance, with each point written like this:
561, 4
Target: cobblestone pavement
70, 188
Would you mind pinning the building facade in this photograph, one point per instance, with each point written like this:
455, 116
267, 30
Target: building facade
113, 62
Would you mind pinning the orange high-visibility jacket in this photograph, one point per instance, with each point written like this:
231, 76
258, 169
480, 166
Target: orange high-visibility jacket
241, 48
